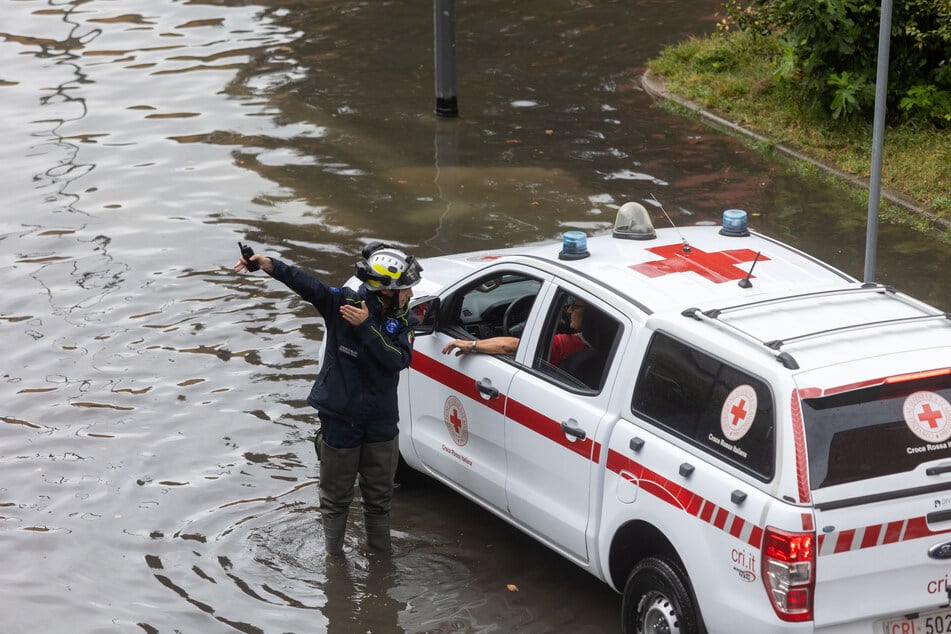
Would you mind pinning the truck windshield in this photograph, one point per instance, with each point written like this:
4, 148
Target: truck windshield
877, 431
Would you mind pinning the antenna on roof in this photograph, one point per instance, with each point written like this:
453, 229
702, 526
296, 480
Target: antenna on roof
745, 282
682, 239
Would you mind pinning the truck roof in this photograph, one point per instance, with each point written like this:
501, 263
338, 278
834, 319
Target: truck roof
808, 313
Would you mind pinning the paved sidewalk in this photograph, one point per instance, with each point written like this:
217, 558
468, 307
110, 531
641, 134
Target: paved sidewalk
655, 87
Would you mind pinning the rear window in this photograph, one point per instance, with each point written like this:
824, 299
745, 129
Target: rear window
713, 405
877, 431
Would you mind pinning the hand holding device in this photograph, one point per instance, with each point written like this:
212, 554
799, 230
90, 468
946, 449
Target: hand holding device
246, 253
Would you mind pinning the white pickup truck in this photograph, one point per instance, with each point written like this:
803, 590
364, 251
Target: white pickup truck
750, 440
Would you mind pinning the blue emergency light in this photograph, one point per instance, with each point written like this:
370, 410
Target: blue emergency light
734, 223
574, 245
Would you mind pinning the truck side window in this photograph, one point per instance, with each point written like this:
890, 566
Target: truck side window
578, 343
711, 404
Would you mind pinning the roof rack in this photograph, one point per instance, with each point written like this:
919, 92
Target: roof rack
865, 288
783, 357
787, 359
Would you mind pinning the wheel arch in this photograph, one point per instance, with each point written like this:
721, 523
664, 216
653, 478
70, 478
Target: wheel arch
637, 540
632, 542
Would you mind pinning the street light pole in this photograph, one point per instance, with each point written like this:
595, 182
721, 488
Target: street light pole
444, 23
878, 134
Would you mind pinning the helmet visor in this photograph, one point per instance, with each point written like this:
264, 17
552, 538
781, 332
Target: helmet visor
411, 276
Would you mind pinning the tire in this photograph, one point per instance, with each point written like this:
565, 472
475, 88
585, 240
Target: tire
658, 600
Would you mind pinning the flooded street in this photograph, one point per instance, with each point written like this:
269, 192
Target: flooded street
158, 472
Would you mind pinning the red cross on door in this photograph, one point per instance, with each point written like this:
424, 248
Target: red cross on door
718, 266
455, 420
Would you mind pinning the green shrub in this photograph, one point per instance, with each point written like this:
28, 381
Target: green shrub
829, 50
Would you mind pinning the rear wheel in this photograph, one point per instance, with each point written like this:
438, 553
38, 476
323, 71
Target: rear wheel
657, 600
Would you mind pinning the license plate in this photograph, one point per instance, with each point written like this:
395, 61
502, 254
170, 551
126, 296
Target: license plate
937, 622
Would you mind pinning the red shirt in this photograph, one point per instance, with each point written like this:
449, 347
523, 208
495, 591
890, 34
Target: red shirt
564, 344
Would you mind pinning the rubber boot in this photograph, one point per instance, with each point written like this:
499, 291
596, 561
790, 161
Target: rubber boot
338, 470
378, 463
335, 528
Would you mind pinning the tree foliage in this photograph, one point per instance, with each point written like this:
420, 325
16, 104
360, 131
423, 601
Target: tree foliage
829, 50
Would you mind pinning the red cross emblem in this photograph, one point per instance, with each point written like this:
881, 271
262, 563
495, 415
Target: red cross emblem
928, 416
454, 419
718, 266
454, 415
738, 411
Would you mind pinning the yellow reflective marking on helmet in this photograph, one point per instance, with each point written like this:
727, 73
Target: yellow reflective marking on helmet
382, 270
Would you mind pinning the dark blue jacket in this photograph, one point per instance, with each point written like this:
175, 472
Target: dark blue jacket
361, 366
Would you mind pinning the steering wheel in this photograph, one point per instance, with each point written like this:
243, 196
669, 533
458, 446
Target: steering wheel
513, 322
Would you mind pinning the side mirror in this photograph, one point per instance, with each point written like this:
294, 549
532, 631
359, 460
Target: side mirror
425, 308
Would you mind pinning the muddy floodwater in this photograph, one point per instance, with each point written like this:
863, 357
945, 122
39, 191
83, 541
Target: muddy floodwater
156, 466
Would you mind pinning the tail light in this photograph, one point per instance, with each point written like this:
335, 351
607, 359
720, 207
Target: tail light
789, 573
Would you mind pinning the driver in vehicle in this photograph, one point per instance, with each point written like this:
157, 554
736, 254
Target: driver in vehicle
563, 344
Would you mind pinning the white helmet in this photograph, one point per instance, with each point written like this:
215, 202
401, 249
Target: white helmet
386, 267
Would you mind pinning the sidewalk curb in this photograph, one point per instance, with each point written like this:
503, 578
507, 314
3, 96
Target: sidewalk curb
655, 87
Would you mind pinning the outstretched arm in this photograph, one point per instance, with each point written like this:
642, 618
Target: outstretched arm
492, 345
263, 261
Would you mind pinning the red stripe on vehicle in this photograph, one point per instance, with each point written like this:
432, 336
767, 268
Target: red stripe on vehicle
799, 439
685, 497
544, 426
843, 542
695, 503
756, 536
455, 381
870, 538
893, 532
918, 527
720, 520
658, 491
512, 409
674, 494
808, 523
737, 528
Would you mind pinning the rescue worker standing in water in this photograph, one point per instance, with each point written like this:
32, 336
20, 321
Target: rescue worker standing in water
369, 340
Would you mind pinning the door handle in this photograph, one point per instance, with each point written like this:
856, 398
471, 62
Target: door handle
488, 390
573, 430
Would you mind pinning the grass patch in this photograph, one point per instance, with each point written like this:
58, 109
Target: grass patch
733, 74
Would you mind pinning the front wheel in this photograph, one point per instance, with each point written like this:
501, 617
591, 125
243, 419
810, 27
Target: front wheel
657, 600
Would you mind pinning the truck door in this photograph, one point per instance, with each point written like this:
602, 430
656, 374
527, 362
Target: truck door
458, 402
551, 420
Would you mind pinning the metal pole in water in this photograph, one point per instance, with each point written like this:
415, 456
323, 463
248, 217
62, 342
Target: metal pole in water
444, 22
878, 134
